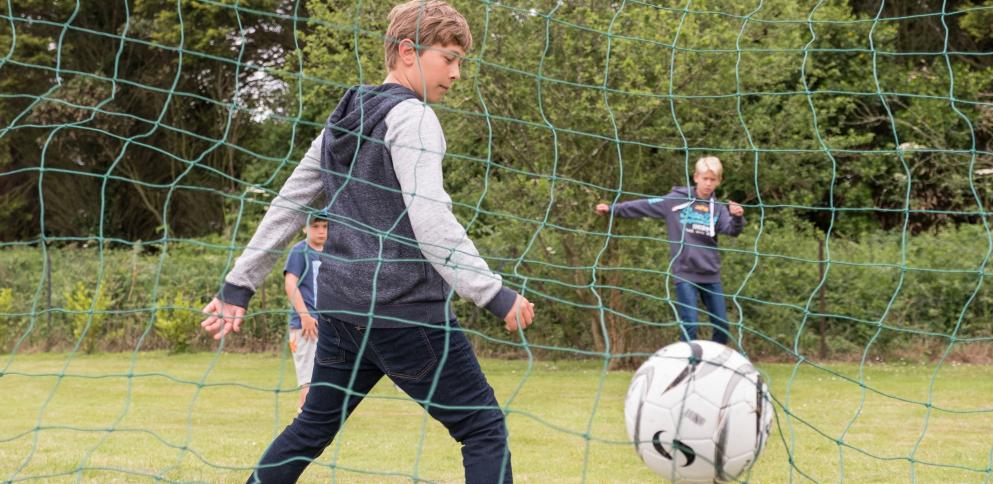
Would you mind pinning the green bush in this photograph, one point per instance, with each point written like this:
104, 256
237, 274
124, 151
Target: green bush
175, 323
88, 314
12, 325
134, 278
881, 294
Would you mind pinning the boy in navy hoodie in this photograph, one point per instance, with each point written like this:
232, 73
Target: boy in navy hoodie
393, 257
694, 218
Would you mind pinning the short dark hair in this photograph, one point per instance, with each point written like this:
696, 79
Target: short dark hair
319, 216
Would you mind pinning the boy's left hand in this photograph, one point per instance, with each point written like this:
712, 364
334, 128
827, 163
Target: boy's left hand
735, 209
222, 318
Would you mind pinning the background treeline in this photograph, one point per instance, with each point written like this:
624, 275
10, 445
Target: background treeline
864, 125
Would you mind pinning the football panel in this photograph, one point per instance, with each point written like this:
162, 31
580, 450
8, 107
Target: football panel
695, 417
637, 391
695, 459
744, 429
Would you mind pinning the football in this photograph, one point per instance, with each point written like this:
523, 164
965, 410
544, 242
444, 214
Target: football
698, 411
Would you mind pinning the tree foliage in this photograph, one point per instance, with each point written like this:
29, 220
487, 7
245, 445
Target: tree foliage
123, 120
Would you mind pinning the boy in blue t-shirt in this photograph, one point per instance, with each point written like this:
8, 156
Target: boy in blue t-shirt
301, 270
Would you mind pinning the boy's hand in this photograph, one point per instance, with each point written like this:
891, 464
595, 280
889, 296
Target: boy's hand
602, 209
735, 209
521, 314
309, 327
222, 318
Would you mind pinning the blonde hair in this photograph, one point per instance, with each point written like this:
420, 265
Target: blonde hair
710, 163
426, 22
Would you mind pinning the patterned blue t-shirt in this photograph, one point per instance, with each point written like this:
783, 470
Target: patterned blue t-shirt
305, 263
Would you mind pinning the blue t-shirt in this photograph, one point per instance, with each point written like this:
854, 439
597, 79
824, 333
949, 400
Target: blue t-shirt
305, 263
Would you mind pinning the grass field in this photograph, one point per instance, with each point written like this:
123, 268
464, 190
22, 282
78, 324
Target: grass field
166, 424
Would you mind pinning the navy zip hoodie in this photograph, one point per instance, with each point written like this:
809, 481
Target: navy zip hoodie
694, 225
394, 250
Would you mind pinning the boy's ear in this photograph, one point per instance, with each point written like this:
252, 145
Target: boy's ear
407, 52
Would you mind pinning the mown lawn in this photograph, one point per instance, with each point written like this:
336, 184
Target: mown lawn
208, 416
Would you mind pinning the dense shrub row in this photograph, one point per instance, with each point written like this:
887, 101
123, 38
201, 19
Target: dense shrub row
883, 294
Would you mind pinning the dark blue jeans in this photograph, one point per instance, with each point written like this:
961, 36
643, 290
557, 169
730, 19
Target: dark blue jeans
462, 400
713, 299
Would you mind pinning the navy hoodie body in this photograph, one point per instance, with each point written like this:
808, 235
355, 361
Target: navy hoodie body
395, 252
693, 225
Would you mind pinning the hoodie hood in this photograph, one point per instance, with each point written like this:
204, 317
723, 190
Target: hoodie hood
688, 191
359, 112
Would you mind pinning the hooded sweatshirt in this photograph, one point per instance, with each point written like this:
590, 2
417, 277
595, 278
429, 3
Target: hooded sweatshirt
394, 250
694, 225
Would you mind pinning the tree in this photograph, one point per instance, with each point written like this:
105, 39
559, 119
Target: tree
134, 117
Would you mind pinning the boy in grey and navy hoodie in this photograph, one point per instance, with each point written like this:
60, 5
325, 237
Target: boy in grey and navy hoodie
694, 219
394, 255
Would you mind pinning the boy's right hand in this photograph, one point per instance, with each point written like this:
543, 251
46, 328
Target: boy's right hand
308, 327
602, 209
521, 314
222, 318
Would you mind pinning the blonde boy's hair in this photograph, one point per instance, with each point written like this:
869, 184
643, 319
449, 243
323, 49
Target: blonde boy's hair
426, 22
710, 163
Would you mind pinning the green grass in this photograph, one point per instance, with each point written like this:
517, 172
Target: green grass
164, 424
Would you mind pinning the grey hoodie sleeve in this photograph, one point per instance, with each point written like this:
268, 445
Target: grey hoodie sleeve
417, 145
286, 216
728, 224
650, 207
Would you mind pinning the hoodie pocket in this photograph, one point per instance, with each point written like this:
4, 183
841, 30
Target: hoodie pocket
698, 260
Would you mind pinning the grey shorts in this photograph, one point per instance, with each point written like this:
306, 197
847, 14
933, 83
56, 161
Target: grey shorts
303, 350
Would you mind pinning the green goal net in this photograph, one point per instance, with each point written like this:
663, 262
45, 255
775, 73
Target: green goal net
141, 142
